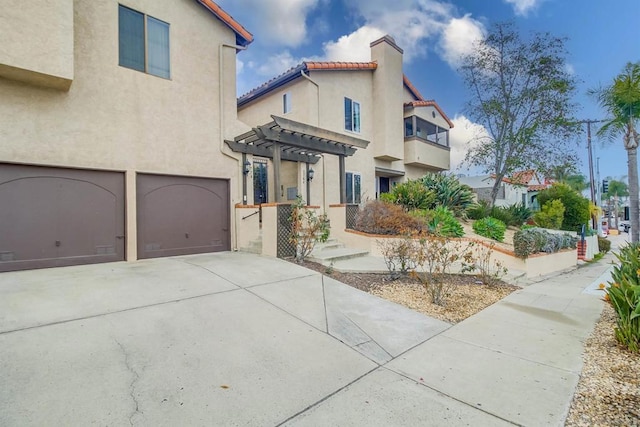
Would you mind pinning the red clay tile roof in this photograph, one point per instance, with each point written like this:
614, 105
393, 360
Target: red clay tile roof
341, 65
243, 37
429, 103
537, 187
412, 88
524, 177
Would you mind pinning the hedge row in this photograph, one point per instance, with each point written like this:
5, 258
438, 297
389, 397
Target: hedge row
533, 240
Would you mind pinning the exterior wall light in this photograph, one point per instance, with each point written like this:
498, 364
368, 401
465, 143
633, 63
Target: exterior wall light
247, 167
310, 174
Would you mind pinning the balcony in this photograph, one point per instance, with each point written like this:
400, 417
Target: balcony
425, 144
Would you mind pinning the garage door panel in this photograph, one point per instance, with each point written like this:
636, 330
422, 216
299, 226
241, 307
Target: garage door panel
55, 217
181, 215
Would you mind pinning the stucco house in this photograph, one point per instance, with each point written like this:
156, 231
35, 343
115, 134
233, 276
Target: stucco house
522, 187
113, 119
381, 131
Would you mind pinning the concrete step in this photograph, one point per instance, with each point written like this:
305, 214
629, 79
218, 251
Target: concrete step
326, 257
328, 245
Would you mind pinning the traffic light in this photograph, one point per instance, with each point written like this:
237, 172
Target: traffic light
605, 186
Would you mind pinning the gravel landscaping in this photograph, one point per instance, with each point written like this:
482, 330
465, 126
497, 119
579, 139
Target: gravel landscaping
608, 393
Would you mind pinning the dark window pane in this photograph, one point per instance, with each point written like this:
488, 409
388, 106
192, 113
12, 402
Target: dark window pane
349, 183
348, 115
356, 188
408, 126
158, 47
131, 38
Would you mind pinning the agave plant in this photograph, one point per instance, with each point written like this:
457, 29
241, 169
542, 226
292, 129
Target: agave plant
449, 192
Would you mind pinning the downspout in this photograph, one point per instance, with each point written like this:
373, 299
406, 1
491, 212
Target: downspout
324, 170
221, 110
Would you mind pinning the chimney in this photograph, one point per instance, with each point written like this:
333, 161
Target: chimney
388, 107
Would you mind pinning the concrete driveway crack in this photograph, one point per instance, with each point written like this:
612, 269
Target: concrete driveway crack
132, 385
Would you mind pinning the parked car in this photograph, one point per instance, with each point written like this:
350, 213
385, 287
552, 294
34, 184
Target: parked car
624, 226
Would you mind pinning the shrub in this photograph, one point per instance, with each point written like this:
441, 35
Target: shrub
576, 207
444, 223
479, 210
399, 255
515, 215
449, 192
491, 228
604, 245
378, 217
519, 214
551, 215
306, 229
411, 195
436, 255
533, 240
624, 295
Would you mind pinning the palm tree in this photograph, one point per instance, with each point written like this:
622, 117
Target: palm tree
621, 100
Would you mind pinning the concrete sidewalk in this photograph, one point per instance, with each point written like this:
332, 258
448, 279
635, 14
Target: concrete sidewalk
238, 339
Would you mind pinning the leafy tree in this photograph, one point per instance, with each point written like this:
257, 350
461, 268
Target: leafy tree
520, 92
578, 182
551, 215
621, 100
576, 207
411, 195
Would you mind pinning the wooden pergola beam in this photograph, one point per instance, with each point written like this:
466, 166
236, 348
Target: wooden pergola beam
261, 151
304, 142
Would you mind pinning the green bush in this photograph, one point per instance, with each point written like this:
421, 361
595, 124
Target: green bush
479, 210
490, 227
515, 215
528, 241
411, 195
551, 215
604, 245
378, 217
624, 295
576, 207
443, 223
449, 192
519, 214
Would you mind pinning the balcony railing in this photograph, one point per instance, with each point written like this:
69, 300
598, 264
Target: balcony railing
417, 128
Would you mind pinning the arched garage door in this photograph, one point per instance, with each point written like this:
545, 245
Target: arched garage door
181, 215
52, 217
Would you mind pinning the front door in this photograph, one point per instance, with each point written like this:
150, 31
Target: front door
260, 182
384, 184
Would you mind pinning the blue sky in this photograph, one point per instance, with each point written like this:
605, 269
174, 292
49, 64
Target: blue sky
602, 37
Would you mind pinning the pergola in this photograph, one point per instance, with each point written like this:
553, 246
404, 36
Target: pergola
284, 139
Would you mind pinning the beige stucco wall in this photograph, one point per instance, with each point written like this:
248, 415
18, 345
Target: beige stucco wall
116, 118
37, 42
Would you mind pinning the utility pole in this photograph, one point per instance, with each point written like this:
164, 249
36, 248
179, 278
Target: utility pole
592, 184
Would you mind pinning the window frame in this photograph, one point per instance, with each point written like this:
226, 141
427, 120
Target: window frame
286, 103
355, 118
145, 41
356, 197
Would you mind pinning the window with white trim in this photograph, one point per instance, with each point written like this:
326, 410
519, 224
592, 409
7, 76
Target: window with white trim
143, 42
353, 182
286, 102
351, 115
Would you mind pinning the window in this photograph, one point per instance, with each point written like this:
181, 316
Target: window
286, 102
351, 115
143, 42
416, 127
353, 187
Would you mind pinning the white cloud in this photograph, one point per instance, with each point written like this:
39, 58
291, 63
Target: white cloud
459, 37
280, 21
464, 135
523, 7
239, 65
275, 64
352, 47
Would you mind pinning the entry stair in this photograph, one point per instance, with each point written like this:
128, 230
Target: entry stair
333, 250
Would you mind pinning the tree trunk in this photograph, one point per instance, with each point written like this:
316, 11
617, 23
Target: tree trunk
634, 211
615, 209
494, 191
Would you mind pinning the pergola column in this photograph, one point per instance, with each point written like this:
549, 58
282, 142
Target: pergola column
343, 177
276, 170
308, 186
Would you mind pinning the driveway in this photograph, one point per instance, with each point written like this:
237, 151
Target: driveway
216, 339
